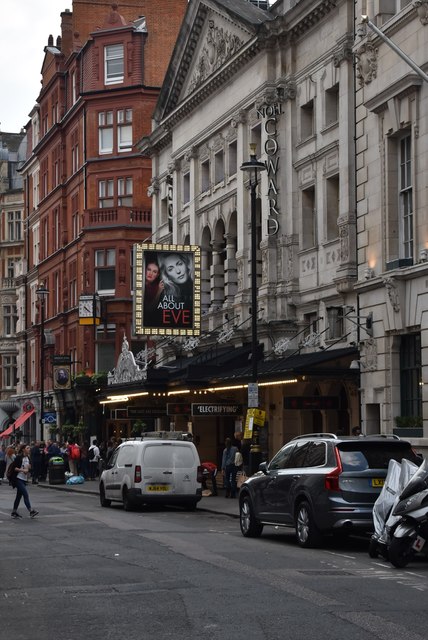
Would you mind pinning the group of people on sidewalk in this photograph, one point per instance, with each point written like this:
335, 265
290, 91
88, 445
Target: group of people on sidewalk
231, 463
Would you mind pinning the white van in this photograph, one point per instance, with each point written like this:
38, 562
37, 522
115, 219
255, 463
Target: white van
152, 471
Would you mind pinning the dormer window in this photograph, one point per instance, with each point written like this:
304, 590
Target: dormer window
113, 64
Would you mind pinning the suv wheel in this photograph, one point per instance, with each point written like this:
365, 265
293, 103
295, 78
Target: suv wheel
103, 500
308, 534
250, 526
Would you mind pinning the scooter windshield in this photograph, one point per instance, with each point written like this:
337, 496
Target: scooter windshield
418, 482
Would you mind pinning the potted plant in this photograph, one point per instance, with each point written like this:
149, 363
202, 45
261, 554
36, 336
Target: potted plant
408, 426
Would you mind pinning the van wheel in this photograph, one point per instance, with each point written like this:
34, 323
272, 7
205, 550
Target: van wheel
103, 500
307, 533
127, 503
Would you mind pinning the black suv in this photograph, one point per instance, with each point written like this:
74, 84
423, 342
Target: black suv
320, 483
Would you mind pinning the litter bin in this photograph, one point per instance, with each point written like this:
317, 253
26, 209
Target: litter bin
56, 470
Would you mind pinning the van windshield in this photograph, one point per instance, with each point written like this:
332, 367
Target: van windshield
168, 456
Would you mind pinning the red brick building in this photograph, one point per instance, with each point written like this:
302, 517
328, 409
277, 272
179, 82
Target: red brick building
86, 186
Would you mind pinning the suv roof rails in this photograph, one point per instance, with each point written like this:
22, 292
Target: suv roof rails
392, 436
316, 435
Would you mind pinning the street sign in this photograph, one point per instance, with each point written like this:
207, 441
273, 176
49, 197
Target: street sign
253, 394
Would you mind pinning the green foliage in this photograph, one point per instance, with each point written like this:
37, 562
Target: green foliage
409, 422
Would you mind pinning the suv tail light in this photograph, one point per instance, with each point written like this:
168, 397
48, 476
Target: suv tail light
200, 474
137, 473
331, 481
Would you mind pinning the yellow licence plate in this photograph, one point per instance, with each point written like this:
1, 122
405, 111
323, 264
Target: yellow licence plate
157, 487
378, 482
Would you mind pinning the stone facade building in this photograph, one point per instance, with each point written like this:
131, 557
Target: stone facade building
392, 223
12, 155
282, 80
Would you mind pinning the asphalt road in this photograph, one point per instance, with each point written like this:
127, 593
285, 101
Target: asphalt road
79, 571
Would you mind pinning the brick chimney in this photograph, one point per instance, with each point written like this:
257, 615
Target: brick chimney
66, 32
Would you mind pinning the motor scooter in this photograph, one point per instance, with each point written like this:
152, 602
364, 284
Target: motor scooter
410, 534
397, 477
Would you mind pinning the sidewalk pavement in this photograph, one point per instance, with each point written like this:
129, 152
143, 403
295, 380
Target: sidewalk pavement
214, 504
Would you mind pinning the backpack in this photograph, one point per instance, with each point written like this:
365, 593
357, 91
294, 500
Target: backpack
91, 453
11, 470
74, 452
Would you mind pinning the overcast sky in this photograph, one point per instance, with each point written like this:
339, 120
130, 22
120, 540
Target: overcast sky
25, 26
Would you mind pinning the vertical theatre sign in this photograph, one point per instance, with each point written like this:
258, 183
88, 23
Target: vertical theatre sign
270, 115
167, 289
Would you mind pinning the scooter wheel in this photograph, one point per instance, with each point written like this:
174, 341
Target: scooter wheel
373, 548
400, 552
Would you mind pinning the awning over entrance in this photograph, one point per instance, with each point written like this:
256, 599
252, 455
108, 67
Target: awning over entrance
18, 422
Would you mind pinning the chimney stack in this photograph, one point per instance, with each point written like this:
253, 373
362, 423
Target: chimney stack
66, 32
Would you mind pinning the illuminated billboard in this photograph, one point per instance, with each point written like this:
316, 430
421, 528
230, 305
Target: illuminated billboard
167, 289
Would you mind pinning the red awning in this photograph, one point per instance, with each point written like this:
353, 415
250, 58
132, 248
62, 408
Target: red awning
22, 418
7, 432
18, 422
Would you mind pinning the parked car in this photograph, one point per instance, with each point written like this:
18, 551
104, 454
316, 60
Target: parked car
152, 471
320, 483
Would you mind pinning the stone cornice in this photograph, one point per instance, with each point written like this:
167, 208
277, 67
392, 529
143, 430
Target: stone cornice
404, 86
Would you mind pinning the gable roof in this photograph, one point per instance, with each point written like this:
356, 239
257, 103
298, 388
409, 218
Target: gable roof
240, 14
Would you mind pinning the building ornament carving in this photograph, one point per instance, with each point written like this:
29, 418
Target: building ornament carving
370, 355
225, 335
174, 165
126, 369
153, 189
240, 117
366, 57
281, 346
191, 343
344, 51
220, 45
391, 288
421, 7
191, 153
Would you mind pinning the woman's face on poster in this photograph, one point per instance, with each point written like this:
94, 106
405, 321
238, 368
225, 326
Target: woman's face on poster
176, 269
152, 272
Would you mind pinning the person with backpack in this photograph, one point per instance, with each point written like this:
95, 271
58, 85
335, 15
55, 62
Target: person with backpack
73, 452
94, 458
18, 473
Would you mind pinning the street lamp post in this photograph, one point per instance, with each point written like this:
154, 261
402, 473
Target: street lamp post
42, 294
253, 167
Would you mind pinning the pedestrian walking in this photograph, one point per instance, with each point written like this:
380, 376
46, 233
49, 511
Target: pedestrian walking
19, 477
229, 469
73, 453
2, 462
36, 462
94, 458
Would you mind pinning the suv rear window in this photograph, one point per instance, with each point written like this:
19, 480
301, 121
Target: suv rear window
356, 456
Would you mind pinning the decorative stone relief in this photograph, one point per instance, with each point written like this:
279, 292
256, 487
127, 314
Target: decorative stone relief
421, 7
240, 117
391, 288
219, 47
370, 352
174, 165
153, 189
286, 90
191, 153
126, 369
344, 243
366, 57
344, 51
265, 256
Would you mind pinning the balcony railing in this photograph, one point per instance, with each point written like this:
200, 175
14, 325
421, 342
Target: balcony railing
117, 216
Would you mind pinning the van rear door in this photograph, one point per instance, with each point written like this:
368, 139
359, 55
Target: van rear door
169, 468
